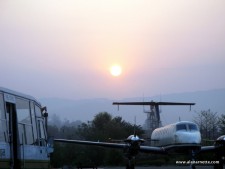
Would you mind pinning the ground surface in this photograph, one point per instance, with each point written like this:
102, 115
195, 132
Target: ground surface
164, 167
154, 167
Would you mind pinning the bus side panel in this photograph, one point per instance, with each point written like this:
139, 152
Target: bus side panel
34, 157
4, 155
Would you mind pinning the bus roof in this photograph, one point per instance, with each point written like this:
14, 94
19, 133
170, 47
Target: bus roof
8, 91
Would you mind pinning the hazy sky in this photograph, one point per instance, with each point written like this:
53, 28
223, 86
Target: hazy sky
60, 48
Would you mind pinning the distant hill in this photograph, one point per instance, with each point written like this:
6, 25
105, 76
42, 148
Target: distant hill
85, 110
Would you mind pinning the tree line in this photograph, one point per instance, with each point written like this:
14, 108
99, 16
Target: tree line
106, 128
211, 125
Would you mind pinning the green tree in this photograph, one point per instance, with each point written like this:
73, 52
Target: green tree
101, 128
101, 120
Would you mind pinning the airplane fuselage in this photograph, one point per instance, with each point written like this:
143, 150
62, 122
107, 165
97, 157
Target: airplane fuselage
183, 132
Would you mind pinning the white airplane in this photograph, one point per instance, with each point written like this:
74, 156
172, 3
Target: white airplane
181, 137
183, 132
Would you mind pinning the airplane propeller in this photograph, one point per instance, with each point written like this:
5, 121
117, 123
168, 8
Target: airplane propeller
133, 146
219, 149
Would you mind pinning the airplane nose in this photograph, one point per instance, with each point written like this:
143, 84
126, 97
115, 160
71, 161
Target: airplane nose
186, 137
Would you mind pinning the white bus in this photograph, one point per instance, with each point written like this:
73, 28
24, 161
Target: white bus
23, 136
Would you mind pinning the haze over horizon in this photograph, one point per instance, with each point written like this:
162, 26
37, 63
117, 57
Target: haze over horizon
85, 110
65, 49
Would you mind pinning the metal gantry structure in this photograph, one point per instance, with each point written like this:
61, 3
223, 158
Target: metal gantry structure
153, 120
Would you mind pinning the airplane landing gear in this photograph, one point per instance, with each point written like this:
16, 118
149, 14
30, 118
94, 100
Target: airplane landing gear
130, 163
192, 166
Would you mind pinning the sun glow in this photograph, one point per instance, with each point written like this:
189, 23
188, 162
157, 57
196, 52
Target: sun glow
116, 70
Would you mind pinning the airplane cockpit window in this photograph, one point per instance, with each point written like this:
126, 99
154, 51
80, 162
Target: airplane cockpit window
192, 127
181, 127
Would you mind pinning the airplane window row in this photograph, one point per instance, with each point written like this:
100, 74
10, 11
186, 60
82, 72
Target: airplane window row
162, 132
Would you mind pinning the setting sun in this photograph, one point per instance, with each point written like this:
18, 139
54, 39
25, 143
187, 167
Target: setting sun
116, 70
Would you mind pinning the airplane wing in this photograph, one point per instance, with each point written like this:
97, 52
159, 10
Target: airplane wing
152, 103
208, 149
219, 145
178, 148
102, 144
153, 150
144, 149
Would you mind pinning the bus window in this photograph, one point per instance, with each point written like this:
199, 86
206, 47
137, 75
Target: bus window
21, 133
33, 119
38, 111
23, 111
181, 127
24, 121
2, 112
42, 136
3, 131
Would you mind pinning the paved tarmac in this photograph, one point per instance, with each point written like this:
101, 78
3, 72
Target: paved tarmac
152, 167
163, 167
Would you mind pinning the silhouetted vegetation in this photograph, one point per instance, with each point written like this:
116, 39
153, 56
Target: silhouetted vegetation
222, 124
211, 127
103, 127
210, 124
